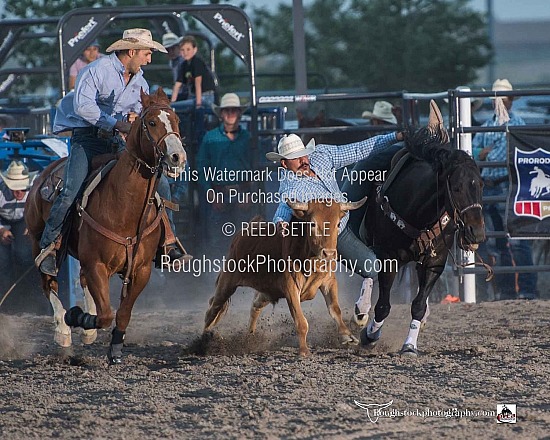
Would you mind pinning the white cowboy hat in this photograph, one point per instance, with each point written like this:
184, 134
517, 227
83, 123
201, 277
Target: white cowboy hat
170, 39
229, 100
382, 111
290, 147
17, 176
136, 39
502, 85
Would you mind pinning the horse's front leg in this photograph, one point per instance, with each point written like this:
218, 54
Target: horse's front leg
372, 332
124, 313
330, 293
427, 276
97, 282
88, 336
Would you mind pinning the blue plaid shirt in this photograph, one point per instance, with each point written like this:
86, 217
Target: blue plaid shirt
324, 162
499, 144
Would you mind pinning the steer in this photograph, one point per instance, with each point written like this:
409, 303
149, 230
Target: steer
292, 263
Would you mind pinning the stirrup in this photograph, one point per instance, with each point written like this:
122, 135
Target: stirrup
186, 256
50, 249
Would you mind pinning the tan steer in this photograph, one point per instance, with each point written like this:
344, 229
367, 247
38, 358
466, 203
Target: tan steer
293, 264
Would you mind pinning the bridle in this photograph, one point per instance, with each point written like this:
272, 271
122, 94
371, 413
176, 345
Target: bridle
457, 212
460, 225
159, 154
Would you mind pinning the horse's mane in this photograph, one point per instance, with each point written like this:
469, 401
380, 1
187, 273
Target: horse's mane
426, 145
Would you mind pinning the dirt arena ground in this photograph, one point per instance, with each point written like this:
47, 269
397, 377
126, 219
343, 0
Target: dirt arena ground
171, 385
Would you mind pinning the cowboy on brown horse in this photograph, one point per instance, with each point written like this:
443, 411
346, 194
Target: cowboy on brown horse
99, 113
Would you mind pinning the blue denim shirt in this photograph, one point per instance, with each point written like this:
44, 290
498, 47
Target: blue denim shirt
101, 98
324, 162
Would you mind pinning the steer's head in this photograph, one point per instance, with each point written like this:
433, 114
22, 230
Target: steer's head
320, 221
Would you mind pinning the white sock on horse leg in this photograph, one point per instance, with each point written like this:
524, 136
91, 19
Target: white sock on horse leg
414, 329
374, 326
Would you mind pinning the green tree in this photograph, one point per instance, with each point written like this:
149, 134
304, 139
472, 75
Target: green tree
382, 45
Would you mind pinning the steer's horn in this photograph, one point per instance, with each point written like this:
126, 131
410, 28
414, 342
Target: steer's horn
298, 206
350, 206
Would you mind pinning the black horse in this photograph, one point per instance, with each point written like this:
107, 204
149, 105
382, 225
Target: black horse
434, 197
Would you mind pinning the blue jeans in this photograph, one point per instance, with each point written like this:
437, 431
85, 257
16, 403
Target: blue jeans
508, 251
356, 254
84, 147
163, 190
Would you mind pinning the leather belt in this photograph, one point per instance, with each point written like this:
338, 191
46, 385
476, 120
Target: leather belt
94, 131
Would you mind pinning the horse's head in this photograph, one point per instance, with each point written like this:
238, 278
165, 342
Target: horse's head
154, 138
464, 187
461, 182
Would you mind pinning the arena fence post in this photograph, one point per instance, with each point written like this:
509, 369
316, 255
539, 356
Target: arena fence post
465, 144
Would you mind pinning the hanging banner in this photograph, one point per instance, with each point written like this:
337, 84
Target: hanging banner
230, 25
528, 207
79, 33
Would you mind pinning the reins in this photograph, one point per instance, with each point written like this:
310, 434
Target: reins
131, 244
460, 225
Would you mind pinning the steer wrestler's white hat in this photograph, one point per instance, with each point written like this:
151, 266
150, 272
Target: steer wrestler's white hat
382, 111
17, 176
229, 100
290, 147
136, 39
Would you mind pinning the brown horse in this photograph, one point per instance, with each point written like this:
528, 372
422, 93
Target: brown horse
119, 229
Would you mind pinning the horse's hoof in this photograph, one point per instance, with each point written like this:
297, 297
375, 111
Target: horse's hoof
63, 339
369, 339
408, 350
88, 336
304, 353
349, 340
361, 319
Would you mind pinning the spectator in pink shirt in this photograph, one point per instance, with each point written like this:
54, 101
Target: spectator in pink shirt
91, 53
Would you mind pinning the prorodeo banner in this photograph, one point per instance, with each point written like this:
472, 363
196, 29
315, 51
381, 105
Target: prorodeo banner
528, 209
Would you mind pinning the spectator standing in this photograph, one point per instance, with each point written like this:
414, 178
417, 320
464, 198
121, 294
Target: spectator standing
226, 149
492, 147
15, 246
171, 43
91, 53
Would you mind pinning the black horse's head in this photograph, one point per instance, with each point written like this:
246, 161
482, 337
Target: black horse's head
461, 184
464, 187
